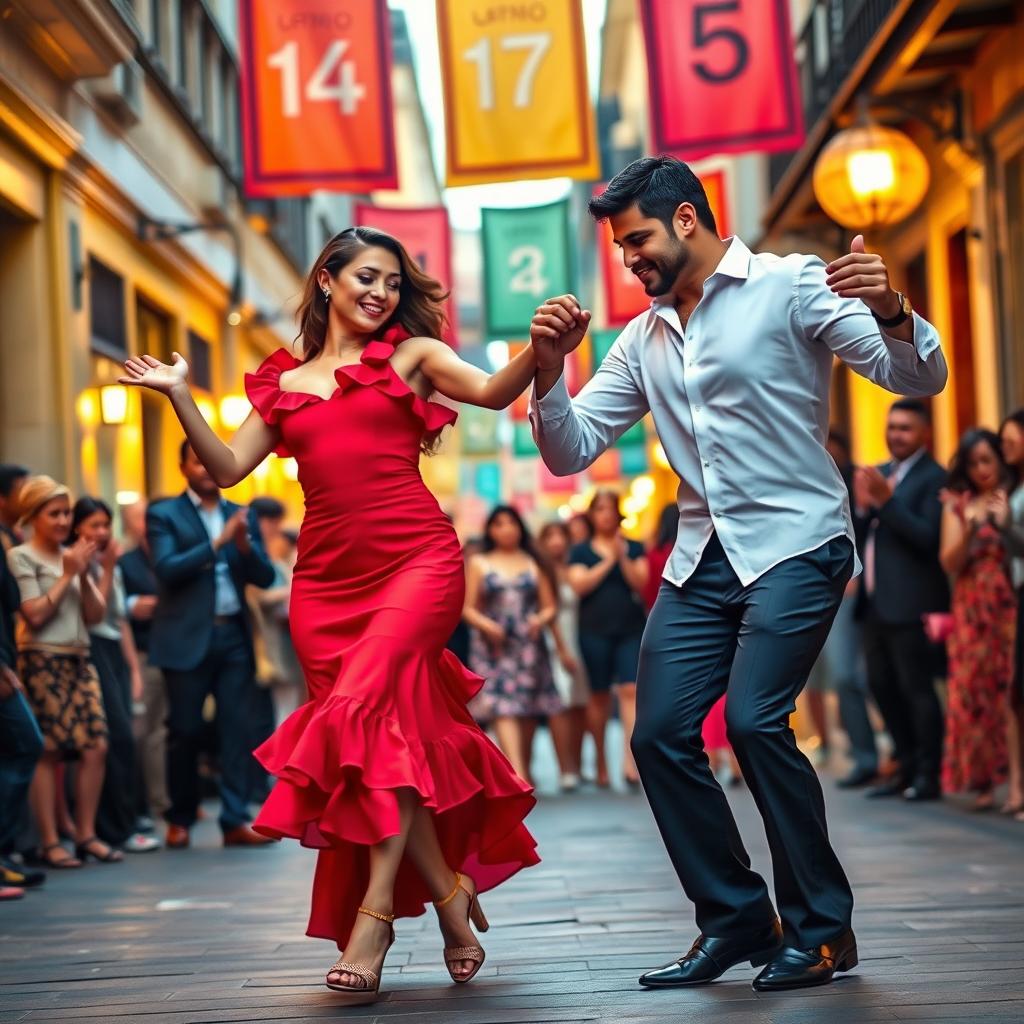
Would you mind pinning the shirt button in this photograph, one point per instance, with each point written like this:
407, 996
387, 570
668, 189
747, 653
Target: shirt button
696, 408
718, 515
706, 464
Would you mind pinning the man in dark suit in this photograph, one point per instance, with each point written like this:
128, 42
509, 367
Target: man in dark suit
150, 727
204, 554
898, 517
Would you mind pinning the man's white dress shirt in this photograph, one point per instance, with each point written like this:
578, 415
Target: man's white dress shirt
740, 400
225, 597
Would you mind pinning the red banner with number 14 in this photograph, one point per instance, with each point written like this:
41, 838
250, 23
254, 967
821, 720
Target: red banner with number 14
722, 77
316, 96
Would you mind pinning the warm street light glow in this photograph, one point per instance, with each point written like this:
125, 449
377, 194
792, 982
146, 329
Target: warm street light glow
233, 411
88, 408
291, 469
126, 497
114, 404
870, 176
658, 456
234, 318
206, 409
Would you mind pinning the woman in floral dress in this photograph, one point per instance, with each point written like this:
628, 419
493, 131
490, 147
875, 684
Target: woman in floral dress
510, 603
981, 645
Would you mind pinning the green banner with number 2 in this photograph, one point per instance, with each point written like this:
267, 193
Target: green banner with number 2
526, 260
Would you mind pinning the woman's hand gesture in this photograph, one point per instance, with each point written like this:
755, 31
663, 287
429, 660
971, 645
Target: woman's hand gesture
77, 557
147, 372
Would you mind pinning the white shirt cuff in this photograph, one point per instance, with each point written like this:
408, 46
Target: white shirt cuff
926, 341
552, 408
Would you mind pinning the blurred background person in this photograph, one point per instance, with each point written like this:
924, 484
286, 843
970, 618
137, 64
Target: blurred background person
840, 666
277, 667
1011, 436
897, 513
204, 554
21, 744
716, 742
12, 476
580, 528
59, 602
566, 660
149, 723
112, 651
510, 603
609, 573
981, 644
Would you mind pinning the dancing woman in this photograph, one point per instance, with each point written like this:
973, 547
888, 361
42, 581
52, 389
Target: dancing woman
383, 770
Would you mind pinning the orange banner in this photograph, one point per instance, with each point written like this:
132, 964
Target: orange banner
625, 297
316, 96
426, 236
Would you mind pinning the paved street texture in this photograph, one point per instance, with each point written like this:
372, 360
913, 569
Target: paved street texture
213, 935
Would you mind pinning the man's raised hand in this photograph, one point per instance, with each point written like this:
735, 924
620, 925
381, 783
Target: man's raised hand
558, 326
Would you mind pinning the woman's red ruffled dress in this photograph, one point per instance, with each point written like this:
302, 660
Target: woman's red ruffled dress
377, 591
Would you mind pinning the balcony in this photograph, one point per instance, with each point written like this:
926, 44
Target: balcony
82, 39
835, 37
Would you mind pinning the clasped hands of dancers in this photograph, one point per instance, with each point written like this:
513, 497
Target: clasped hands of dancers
384, 772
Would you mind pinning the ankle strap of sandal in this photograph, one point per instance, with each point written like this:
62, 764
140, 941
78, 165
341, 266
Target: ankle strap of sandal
452, 894
386, 918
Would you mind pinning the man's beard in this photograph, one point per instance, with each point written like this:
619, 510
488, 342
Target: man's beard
666, 271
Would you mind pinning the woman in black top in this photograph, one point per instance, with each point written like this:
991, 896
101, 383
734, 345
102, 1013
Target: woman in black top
609, 572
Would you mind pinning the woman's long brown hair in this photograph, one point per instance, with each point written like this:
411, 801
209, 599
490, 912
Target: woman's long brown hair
420, 297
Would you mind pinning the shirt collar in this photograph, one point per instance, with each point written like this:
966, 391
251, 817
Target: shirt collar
735, 263
197, 502
910, 460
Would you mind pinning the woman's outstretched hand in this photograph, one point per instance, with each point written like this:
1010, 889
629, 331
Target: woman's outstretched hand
147, 372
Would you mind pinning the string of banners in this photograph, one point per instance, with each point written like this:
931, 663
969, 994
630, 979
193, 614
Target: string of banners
318, 112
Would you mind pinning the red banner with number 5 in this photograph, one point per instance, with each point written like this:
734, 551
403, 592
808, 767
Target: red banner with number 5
316, 96
722, 77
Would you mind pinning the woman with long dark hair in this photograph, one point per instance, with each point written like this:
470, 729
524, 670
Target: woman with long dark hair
510, 603
610, 573
981, 646
1011, 436
384, 770
112, 649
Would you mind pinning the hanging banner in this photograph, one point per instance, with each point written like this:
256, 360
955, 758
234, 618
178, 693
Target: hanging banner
487, 482
602, 341
426, 235
515, 88
722, 77
526, 260
551, 484
478, 431
523, 444
625, 297
316, 96
634, 437
606, 467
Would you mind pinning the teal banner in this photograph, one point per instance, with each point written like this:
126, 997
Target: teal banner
522, 440
488, 482
527, 259
478, 430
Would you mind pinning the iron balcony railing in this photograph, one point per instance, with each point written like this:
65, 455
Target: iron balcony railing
835, 35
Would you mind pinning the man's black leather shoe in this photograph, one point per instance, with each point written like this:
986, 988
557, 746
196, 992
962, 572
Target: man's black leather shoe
922, 791
709, 958
858, 777
894, 787
805, 968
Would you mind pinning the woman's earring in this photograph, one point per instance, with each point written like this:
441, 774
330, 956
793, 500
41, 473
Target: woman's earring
327, 294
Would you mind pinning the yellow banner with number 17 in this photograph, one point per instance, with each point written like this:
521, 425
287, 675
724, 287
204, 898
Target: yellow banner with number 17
516, 98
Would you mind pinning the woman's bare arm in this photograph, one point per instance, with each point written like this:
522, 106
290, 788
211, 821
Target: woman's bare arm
226, 463
462, 382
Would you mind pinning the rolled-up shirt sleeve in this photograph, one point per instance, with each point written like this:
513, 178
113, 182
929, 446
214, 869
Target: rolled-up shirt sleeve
572, 433
847, 327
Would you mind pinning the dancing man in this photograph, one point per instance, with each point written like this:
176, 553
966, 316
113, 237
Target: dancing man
733, 360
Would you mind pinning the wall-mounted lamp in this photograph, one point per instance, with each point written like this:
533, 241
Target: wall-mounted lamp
114, 404
150, 230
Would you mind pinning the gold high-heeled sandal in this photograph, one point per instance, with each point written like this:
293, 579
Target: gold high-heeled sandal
368, 993
456, 954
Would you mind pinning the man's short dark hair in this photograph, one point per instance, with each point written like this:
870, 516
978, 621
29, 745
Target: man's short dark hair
10, 474
656, 184
267, 508
915, 406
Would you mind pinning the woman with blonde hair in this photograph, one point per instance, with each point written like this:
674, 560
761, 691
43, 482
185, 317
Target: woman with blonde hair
384, 770
59, 602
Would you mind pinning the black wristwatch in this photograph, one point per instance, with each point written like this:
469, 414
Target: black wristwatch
905, 313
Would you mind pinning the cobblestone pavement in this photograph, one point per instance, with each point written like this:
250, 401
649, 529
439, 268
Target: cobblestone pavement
213, 935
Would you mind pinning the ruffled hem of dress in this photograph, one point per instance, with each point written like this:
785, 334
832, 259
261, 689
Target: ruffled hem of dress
338, 763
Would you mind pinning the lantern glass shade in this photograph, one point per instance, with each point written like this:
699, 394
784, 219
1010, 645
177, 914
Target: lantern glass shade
870, 176
114, 404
